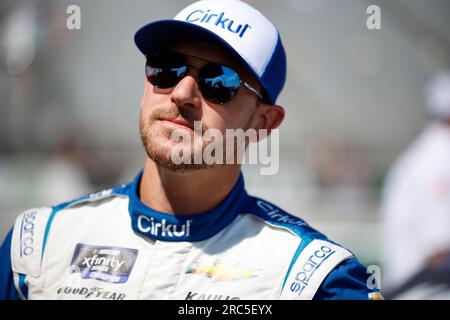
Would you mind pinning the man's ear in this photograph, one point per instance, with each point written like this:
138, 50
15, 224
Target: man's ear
269, 117
146, 92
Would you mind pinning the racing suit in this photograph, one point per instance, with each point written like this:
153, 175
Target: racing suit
109, 245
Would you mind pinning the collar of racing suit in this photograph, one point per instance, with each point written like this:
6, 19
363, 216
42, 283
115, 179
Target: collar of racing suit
170, 227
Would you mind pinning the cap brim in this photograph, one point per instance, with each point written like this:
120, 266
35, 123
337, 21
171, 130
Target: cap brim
158, 34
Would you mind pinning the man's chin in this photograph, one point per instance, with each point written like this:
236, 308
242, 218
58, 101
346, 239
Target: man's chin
168, 164
185, 168
162, 157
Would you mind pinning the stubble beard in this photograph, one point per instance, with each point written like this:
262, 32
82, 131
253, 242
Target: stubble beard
158, 143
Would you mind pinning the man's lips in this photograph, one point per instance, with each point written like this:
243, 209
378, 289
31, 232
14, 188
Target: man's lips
178, 122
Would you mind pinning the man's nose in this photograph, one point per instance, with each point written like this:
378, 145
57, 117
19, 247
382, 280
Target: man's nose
187, 93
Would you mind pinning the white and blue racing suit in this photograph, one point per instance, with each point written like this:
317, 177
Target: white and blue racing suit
109, 245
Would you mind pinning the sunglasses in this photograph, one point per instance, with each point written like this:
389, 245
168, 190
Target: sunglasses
218, 83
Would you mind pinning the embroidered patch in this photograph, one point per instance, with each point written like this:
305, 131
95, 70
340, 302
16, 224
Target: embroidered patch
109, 264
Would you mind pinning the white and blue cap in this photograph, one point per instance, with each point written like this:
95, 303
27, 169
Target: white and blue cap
233, 24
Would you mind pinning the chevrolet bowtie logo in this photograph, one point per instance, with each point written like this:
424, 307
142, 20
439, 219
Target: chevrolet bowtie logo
223, 271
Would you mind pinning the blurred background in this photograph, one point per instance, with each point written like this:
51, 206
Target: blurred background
354, 100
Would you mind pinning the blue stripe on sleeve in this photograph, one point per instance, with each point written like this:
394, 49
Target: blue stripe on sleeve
347, 281
7, 289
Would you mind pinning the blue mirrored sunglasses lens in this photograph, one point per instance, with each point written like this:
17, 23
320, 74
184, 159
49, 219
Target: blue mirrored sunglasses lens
218, 83
165, 69
164, 77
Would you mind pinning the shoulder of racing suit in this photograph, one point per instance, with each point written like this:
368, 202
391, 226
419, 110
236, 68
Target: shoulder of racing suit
31, 230
319, 268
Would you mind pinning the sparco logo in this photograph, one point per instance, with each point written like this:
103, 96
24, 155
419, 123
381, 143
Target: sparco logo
103, 263
163, 228
27, 233
96, 293
205, 296
301, 280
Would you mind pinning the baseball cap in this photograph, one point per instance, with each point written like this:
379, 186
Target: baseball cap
438, 95
232, 24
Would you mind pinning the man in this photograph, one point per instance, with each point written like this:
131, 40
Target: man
416, 203
187, 230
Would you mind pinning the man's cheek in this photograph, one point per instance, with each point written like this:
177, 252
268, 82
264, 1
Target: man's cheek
146, 96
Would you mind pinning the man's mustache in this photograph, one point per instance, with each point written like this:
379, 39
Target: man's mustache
170, 113
174, 113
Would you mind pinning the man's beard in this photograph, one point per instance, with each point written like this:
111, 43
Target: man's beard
153, 140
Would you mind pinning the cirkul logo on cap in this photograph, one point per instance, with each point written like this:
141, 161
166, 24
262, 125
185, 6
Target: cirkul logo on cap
219, 20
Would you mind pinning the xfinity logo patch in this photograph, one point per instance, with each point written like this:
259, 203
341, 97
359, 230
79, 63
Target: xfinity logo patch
220, 20
163, 228
107, 264
301, 280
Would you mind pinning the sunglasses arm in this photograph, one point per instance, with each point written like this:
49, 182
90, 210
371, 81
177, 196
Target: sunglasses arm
250, 88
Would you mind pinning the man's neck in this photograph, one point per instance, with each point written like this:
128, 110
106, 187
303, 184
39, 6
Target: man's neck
187, 192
